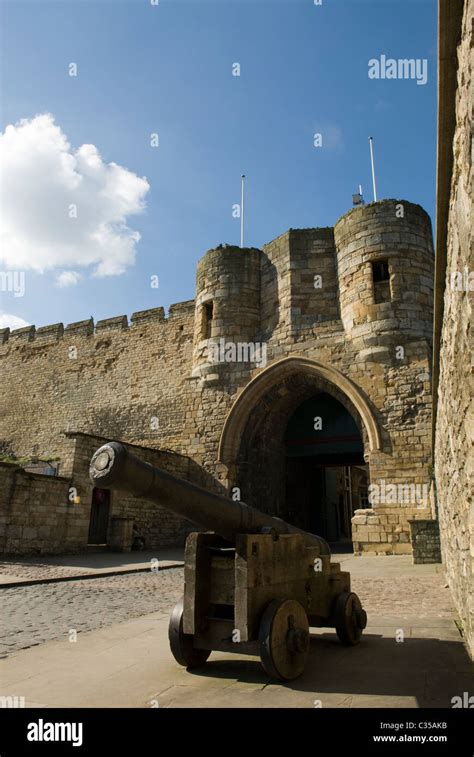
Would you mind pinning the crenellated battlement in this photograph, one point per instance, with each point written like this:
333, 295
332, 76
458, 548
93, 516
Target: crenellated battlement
312, 274
54, 332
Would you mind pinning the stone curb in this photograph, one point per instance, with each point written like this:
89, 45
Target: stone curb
83, 576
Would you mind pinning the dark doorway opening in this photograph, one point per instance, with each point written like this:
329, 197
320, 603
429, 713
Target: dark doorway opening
326, 475
99, 518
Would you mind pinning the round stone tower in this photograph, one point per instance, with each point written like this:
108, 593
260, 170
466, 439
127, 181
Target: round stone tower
227, 310
385, 265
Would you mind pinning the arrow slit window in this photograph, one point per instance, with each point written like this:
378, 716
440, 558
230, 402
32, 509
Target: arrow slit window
206, 322
381, 281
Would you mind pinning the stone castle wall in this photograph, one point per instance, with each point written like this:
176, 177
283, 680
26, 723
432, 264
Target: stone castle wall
35, 513
118, 380
454, 459
151, 383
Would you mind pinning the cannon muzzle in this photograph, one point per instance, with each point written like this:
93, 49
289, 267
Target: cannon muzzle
114, 467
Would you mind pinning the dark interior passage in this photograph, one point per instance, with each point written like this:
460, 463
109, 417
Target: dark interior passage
326, 476
99, 517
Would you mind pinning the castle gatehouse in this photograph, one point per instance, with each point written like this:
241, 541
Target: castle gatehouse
329, 402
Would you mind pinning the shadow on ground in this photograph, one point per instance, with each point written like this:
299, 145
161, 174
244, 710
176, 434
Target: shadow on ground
429, 670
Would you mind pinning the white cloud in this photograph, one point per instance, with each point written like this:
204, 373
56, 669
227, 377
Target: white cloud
67, 278
11, 321
45, 184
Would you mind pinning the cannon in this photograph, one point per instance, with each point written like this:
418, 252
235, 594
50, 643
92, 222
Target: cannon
253, 584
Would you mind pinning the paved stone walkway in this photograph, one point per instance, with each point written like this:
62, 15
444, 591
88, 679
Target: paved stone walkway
122, 656
129, 665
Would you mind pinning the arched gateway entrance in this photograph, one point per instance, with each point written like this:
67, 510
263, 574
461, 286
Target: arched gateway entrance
297, 443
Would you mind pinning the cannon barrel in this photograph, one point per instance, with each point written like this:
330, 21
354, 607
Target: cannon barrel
114, 467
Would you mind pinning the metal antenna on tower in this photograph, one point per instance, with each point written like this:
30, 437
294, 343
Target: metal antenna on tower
373, 168
242, 211
358, 199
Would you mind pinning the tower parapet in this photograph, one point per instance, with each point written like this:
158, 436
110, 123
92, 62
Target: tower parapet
385, 267
227, 305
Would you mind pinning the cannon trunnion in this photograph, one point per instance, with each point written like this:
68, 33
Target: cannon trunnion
255, 587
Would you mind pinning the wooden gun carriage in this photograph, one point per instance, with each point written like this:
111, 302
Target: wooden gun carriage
253, 585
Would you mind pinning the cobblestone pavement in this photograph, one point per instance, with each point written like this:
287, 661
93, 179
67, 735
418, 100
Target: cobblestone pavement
426, 597
34, 614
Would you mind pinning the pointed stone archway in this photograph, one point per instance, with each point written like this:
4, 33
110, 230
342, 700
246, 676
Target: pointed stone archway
259, 386
252, 444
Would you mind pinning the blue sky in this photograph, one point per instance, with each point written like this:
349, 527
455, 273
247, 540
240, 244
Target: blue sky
167, 69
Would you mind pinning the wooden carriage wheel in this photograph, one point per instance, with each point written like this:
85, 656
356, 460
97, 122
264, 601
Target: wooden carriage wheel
350, 618
181, 643
284, 639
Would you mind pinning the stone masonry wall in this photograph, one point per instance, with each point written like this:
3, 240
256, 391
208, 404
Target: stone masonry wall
425, 538
119, 381
36, 514
454, 459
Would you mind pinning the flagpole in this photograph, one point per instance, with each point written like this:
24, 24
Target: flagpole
373, 168
242, 211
